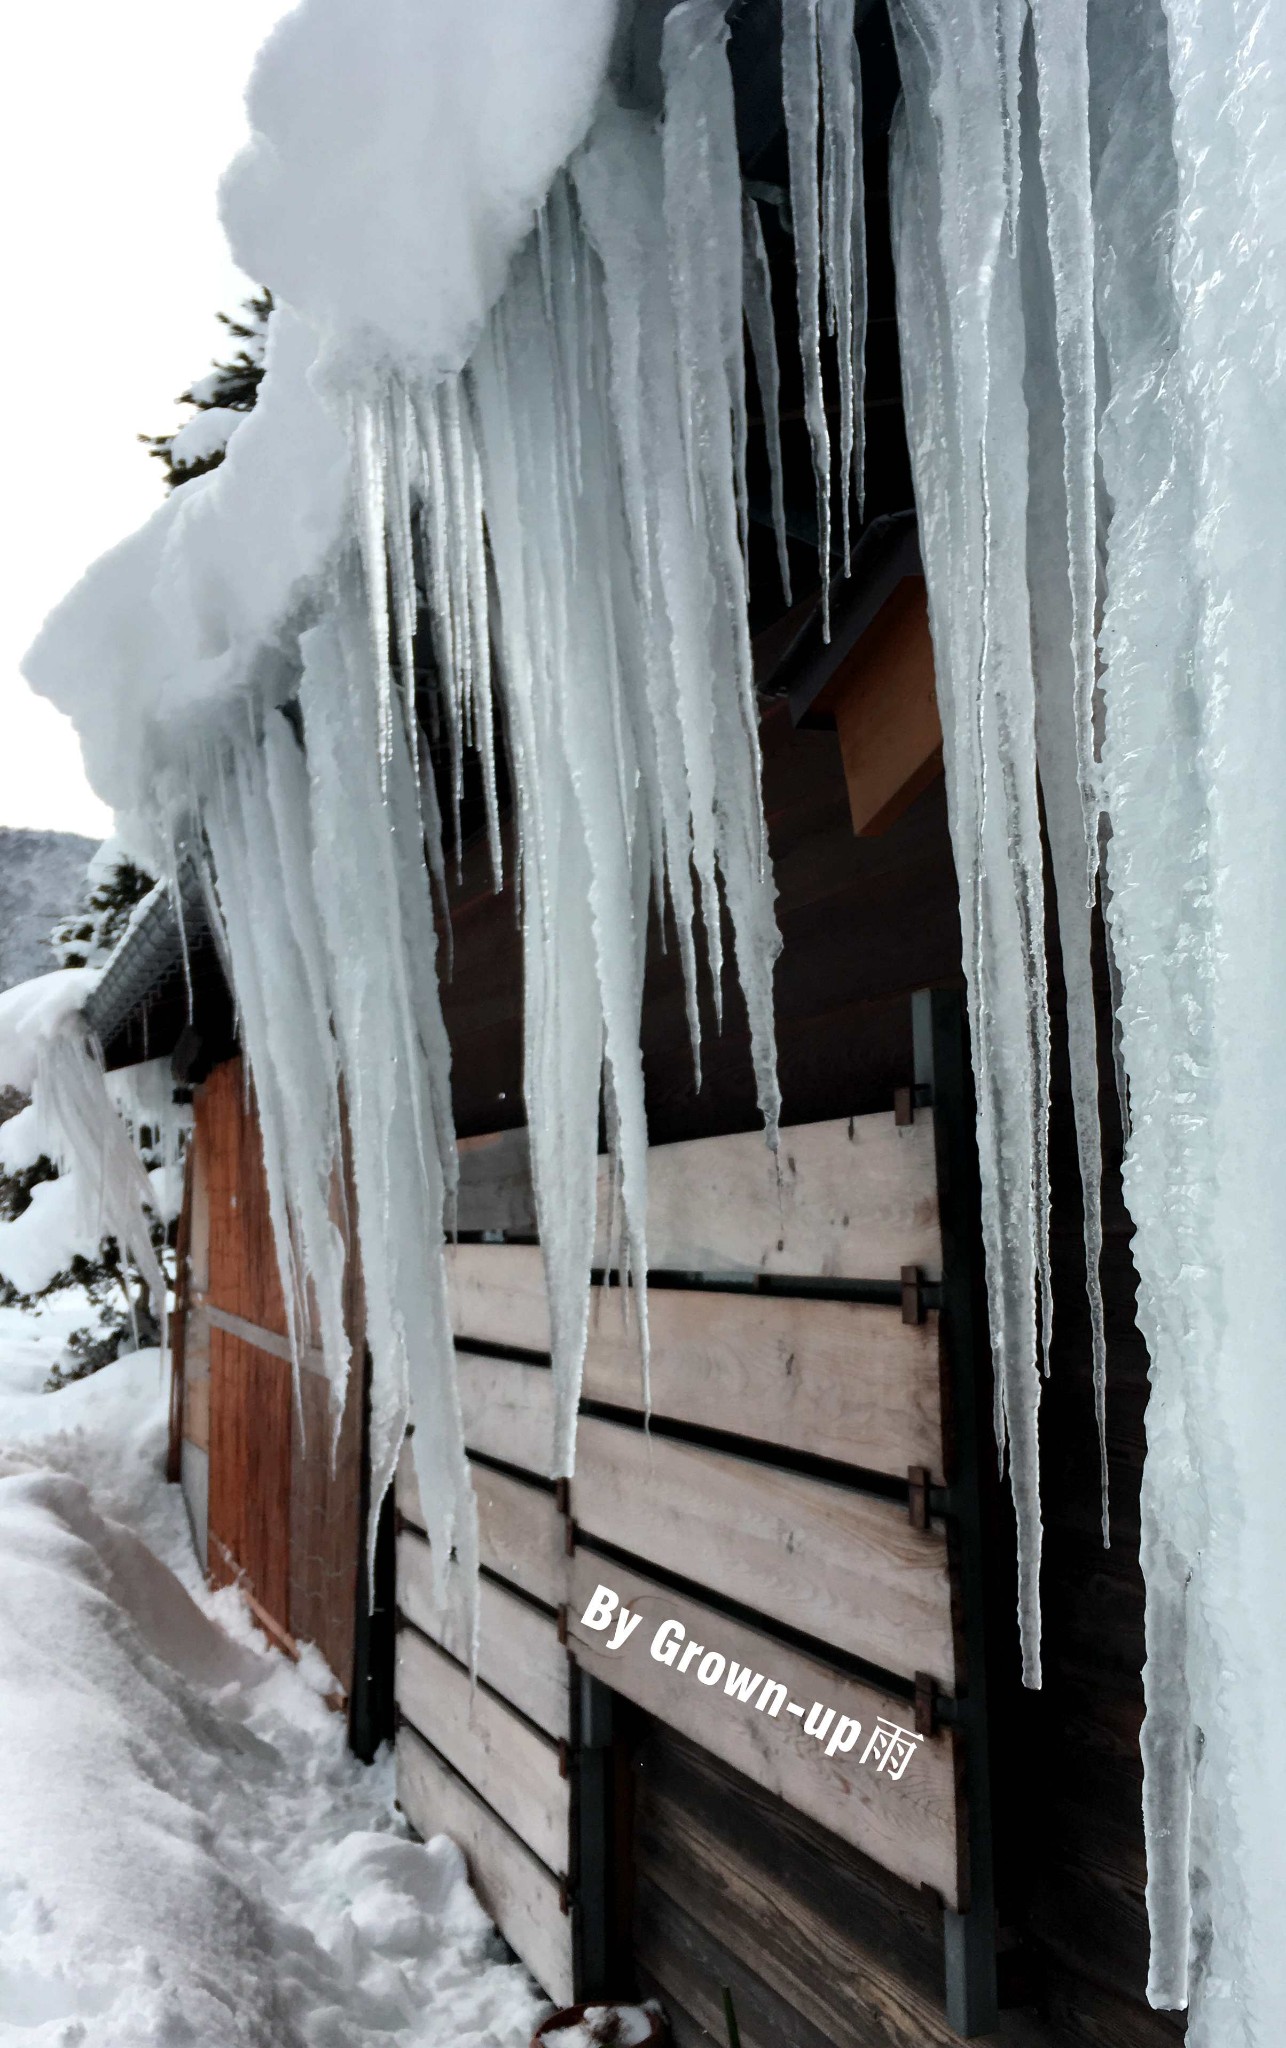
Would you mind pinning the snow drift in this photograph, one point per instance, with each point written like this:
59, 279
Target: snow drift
187, 1850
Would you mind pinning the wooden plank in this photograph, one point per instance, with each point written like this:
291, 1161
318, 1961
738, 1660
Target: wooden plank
679, 1787
910, 1825
250, 1456
508, 1411
518, 1648
884, 701
311, 1358
840, 1379
845, 1567
196, 1412
854, 1198
693, 1969
521, 1535
797, 1938
508, 1762
495, 1184
243, 1276
513, 1886
326, 1533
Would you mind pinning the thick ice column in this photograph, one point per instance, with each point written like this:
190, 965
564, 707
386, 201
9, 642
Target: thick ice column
1193, 443
376, 917
960, 318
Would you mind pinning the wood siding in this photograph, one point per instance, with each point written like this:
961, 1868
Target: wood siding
284, 1492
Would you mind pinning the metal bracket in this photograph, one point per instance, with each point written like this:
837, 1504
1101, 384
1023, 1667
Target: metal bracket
912, 1294
926, 1704
917, 1495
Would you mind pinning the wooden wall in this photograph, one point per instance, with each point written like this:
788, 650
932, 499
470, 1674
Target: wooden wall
864, 922
270, 1510
766, 1506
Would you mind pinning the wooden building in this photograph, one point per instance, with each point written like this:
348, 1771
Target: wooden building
814, 1499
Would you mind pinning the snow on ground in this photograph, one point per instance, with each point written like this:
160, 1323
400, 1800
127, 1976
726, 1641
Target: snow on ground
188, 1851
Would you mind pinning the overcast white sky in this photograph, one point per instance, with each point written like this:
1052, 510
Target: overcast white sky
116, 120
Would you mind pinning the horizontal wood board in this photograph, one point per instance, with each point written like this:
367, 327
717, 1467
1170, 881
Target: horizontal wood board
855, 1953
853, 1198
825, 1559
514, 1886
832, 1563
509, 1763
518, 1648
521, 1535
507, 1409
912, 1825
837, 1379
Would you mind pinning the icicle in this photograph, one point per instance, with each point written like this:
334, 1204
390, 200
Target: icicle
962, 350
1055, 575
757, 294
843, 229
373, 903
1062, 67
800, 87
259, 836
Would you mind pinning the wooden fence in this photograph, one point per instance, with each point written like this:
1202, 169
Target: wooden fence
785, 1506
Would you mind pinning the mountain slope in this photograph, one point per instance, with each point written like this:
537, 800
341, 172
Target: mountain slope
42, 878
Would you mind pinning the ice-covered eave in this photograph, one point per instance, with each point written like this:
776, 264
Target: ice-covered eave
153, 954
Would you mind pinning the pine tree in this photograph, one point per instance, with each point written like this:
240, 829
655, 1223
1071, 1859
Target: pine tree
121, 1313
231, 386
88, 934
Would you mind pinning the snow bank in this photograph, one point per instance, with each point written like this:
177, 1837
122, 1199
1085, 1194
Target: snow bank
187, 1849
21, 1142
48, 1235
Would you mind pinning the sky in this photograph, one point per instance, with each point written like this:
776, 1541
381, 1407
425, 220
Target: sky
116, 121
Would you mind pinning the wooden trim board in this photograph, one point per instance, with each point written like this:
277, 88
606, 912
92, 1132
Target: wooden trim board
521, 1535
310, 1358
911, 1825
842, 1566
838, 1379
518, 1648
510, 1764
512, 1885
854, 1198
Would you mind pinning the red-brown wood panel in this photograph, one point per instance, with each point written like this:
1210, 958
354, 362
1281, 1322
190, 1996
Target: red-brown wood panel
250, 1442
284, 1514
243, 1259
326, 1523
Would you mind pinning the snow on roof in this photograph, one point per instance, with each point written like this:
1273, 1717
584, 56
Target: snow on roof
397, 160
30, 1014
398, 156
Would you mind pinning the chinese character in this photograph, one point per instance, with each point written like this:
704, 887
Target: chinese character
891, 1745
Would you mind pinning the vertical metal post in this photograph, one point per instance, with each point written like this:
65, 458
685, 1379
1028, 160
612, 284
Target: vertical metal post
943, 1078
592, 1932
